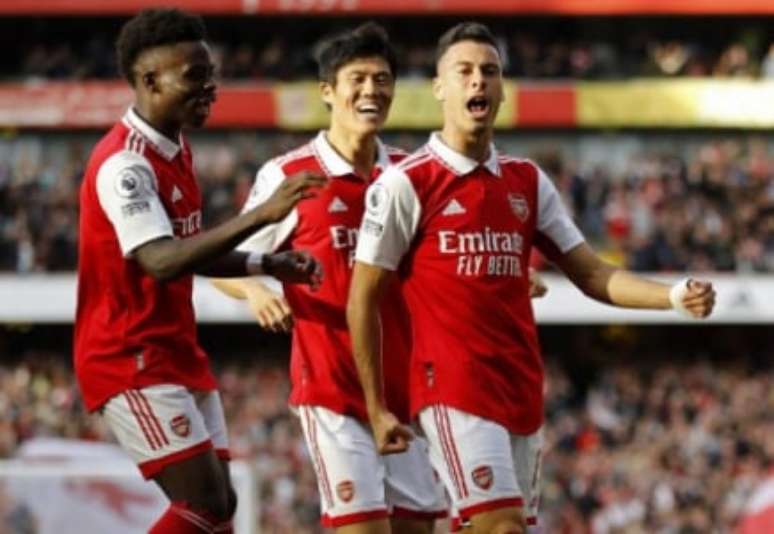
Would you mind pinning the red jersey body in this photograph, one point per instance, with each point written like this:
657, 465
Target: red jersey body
460, 235
322, 368
131, 330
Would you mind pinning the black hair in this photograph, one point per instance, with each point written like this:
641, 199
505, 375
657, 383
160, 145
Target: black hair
465, 31
367, 40
155, 27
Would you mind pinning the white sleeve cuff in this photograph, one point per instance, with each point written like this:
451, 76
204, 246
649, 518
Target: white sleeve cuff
254, 263
676, 296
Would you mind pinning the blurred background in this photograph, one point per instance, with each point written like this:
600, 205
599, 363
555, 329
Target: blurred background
656, 121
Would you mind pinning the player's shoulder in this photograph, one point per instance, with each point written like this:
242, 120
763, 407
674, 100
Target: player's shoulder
296, 160
517, 163
120, 149
115, 140
415, 161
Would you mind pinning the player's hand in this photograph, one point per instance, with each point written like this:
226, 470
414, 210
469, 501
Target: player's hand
699, 300
390, 436
292, 190
695, 298
537, 288
270, 309
294, 267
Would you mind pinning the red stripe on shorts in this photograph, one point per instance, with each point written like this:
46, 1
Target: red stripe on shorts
453, 448
153, 418
141, 421
439, 425
322, 474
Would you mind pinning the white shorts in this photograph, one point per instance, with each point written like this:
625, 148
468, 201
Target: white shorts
482, 465
358, 484
167, 423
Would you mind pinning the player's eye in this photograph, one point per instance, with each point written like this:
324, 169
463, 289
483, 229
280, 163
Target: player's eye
491, 70
383, 79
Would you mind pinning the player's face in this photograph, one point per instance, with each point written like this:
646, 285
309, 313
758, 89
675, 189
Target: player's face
470, 86
184, 85
361, 98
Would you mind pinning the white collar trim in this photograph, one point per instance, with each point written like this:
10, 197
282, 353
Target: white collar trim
161, 143
334, 164
459, 163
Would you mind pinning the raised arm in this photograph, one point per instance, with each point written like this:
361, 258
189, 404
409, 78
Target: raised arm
562, 243
365, 293
607, 283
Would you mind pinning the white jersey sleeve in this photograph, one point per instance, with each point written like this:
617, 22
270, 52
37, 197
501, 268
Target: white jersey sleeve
127, 190
269, 238
390, 221
553, 220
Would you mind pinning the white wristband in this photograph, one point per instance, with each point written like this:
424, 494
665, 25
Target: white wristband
254, 263
676, 296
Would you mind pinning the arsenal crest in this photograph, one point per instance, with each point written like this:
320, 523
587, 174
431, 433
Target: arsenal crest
519, 206
181, 425
345, 490
483, 477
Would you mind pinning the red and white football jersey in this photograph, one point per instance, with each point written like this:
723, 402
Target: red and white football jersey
131, 330
322, 367
460, 234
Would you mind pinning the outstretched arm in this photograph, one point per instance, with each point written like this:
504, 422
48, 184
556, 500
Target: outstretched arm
365, 293
167, 258
607, 283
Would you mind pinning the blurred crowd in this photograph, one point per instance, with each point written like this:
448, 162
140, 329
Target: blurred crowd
709, 206
269, 49
668, 447
712, 210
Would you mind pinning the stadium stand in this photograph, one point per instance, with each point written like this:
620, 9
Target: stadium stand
656, 128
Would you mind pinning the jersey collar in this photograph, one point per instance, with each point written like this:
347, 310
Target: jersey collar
158, 141
458, 163
335, 165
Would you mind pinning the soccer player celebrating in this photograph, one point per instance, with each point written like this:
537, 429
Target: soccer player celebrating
137, 357
360, 491
457, 222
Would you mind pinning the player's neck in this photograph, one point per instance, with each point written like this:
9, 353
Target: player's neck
357, 149
155, 121
472, 145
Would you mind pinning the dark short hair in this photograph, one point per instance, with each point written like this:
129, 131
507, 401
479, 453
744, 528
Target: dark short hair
465, 31
155, 27
367, 40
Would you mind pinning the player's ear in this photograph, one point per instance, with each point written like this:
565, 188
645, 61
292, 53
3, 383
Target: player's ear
438, 91
326, 92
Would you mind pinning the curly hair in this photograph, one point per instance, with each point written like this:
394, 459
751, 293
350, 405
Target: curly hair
155, 27
465, 31
367, 40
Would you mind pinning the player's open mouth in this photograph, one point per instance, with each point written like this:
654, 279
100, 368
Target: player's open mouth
478, 107
370, 110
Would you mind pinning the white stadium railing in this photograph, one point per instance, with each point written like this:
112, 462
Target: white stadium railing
741, 299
